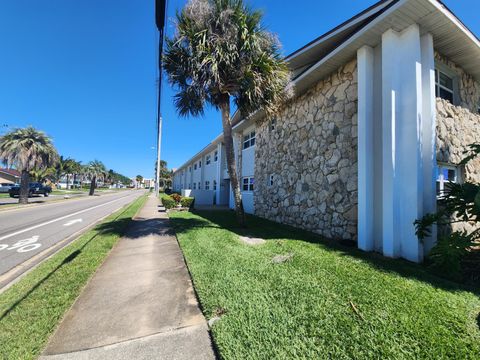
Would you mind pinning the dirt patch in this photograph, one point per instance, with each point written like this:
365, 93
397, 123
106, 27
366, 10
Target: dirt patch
252, 240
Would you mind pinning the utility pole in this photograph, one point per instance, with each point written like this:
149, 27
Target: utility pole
160, 13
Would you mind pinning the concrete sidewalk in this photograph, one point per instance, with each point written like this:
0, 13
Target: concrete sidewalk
140, 303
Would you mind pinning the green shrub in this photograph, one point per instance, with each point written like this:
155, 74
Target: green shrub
187, 202
168, 202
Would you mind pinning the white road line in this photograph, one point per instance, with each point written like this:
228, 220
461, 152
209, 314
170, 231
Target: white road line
71, 222
57, 219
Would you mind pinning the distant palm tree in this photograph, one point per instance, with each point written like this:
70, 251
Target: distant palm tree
76, 168
221, 53
95, 169
139, 179
41, 175
27, 149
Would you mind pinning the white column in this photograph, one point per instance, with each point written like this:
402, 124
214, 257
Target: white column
402, 190
218, 173
429, 157
365, 57
391, 247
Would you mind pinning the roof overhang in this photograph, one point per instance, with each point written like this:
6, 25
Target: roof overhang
451, 38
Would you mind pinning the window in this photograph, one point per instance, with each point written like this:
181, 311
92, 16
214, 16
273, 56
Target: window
215, 156
199, 185
446, 174
443, 86
200, 164
271, 180
194, 186
249, 140
190, 185
273, 124
190, 169
207, 185
207, 160
247, 184
195, 166
214, 185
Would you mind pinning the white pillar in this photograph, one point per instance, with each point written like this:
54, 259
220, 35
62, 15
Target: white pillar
429, 156
218, 172
391, 247
403, 164
365, 57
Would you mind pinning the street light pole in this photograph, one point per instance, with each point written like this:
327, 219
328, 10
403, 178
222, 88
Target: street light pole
160, 13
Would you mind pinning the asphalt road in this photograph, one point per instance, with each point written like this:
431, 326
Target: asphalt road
29, 235
36, 199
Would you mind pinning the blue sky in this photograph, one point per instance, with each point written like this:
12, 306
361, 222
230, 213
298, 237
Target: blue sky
84, 71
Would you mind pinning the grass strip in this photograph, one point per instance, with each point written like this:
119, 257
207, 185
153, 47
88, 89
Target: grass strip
323, 300
31, 309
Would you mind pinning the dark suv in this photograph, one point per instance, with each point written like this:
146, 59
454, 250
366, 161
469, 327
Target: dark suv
33, 189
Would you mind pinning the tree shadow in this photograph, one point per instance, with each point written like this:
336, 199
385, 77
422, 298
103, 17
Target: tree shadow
113, 227
269, 230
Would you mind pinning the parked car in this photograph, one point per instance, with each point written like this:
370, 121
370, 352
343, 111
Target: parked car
33, 189
5, 187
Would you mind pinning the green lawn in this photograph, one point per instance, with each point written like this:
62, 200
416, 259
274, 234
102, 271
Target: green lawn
32, 308
3, 195
327, 302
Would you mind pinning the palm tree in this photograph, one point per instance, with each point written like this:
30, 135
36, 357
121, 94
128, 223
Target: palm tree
27, 149
76, 168
139, 179
95, 169
221, 53
43, 174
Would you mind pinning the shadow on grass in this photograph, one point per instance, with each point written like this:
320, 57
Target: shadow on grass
270, 230
113, 227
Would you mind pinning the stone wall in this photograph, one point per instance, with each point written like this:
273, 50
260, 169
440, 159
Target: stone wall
458, 127
468, 88
312, 155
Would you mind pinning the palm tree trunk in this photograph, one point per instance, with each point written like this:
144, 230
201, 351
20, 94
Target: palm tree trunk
24, 181
74, 180
92, 186
230, 154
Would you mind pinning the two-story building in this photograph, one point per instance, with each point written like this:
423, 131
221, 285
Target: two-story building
385, 105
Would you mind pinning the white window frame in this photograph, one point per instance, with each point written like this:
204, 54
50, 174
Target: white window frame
444, 70
271, 180
194, 186
207, 185
199, 185
214, 185
248, 140
441, 178
190, 169
195, 166
215, 156
200, 164
208, 160
248, 182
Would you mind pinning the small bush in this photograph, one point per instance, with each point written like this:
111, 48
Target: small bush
187, 202
177, 198
168, 202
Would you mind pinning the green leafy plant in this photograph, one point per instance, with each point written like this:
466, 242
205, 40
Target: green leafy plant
187, 202
168, 202
459, 203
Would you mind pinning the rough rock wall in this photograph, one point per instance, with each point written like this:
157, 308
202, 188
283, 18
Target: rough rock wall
458, 127
312, 155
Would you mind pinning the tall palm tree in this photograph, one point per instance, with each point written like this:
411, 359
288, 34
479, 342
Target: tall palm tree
95, 169
139, 179
76, 168
221, 53
27, 149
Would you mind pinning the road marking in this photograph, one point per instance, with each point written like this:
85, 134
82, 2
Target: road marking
57, 219
71, 222
23, 245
